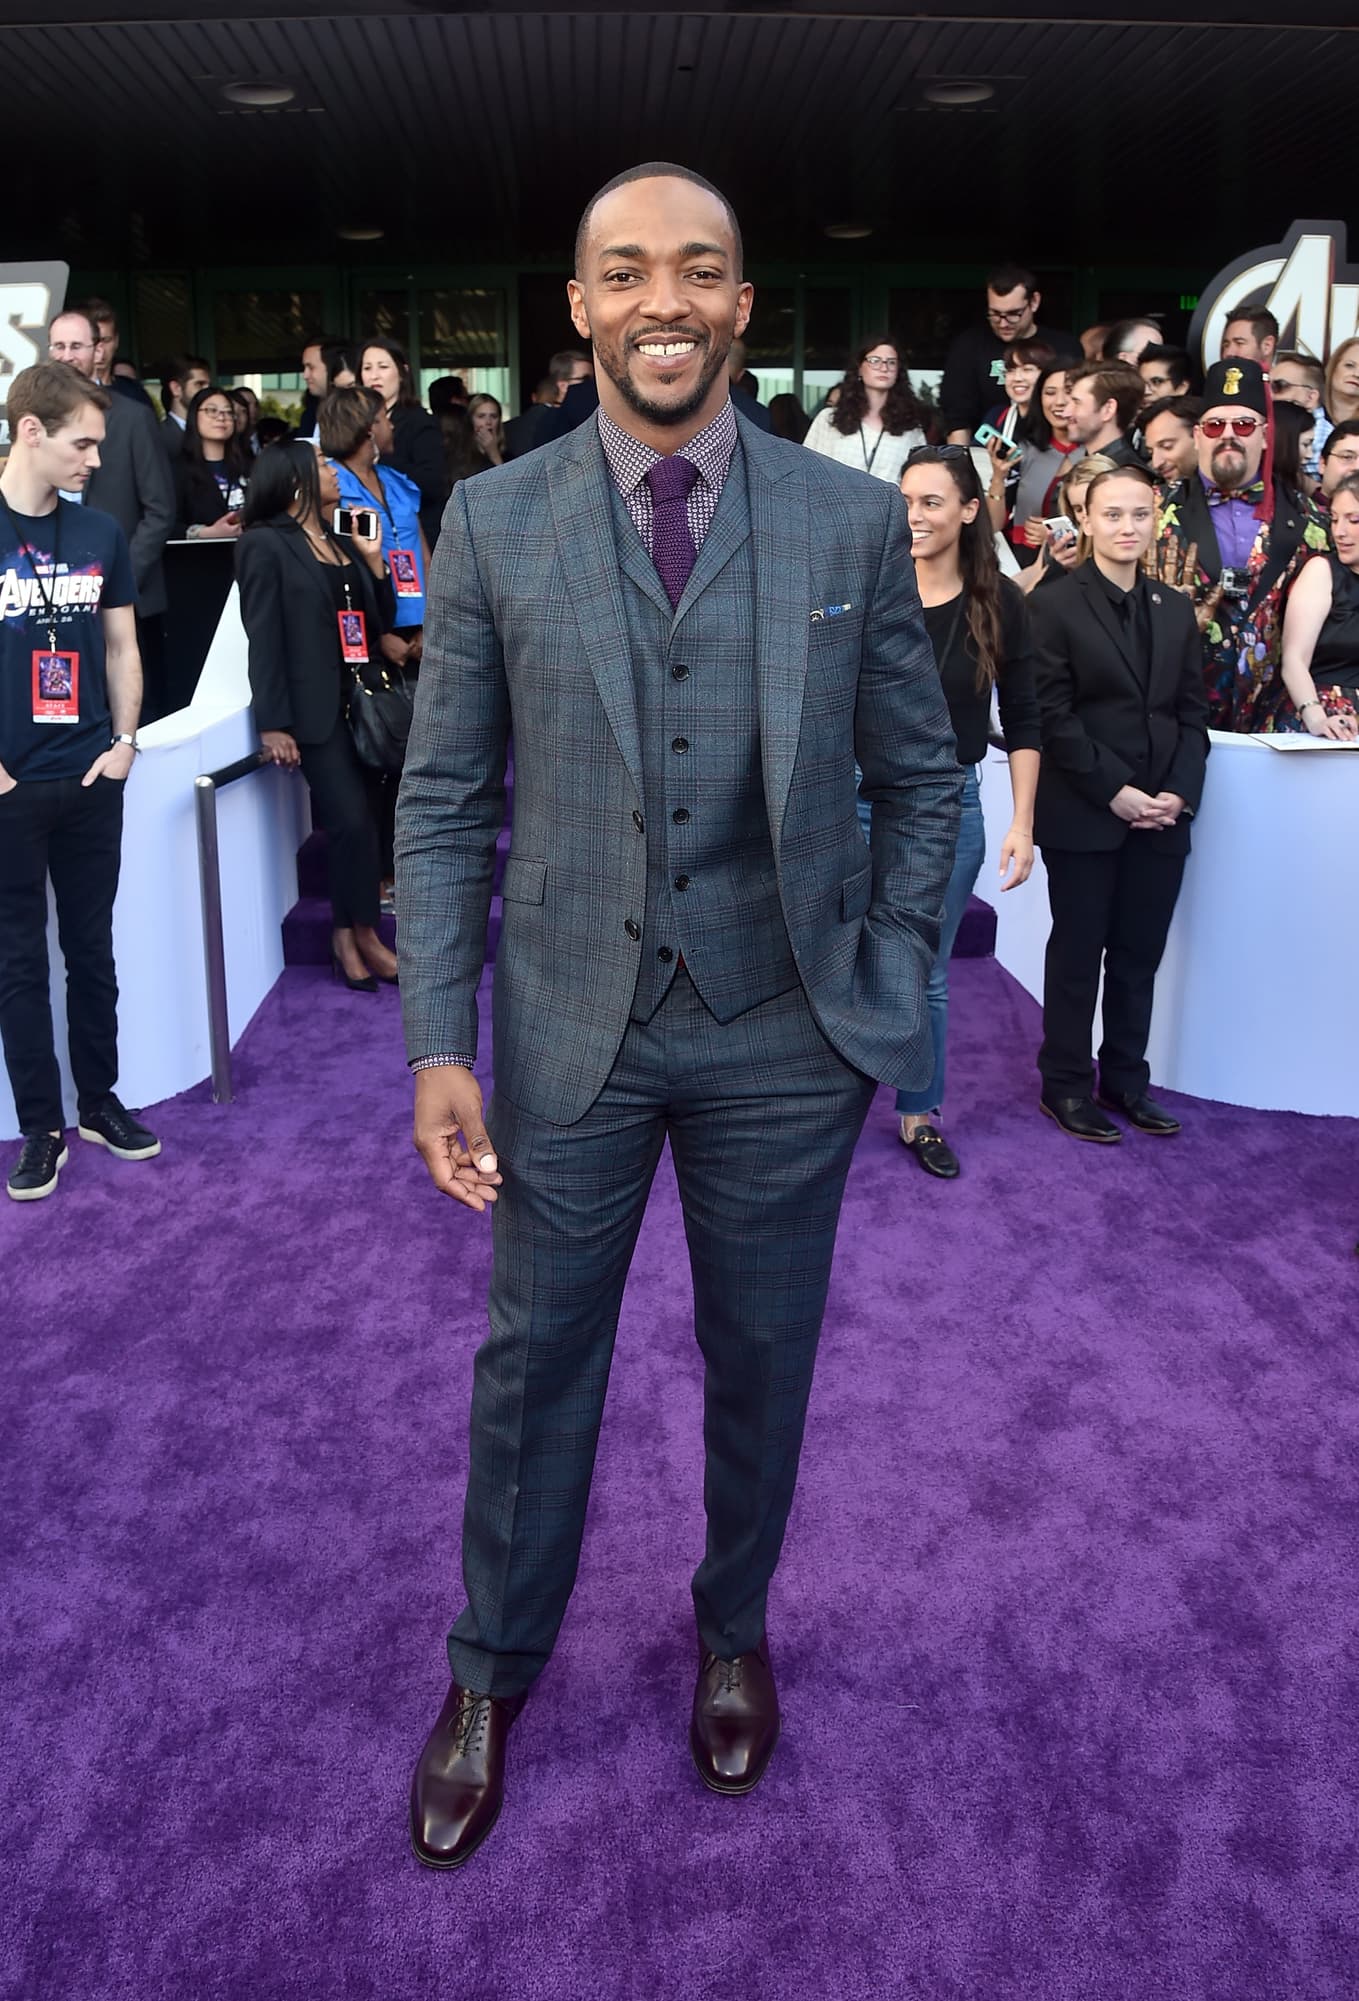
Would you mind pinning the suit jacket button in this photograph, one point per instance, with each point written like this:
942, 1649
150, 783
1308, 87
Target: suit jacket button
638, 822
633, 928
681, 882
679, 745
680, 673
665, 955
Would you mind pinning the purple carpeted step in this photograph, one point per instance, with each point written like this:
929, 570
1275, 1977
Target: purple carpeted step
977, 932
306, 932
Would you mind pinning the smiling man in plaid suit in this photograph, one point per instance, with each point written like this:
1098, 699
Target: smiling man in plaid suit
694, 630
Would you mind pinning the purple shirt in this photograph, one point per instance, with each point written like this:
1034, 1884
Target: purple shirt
630, 461
1236, 528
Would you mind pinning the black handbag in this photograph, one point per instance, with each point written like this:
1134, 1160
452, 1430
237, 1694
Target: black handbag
381, 703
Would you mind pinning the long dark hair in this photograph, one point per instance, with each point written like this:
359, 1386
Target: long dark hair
236, 460
982, 581
900, 412
405, 396
1291, 425
788, 419
1038, 430
283, 473
463, 456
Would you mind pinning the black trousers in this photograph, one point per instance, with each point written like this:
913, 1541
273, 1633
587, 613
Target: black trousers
1109, 911
73, 833
343, 805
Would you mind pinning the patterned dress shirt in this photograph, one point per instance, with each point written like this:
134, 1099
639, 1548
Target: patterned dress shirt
629, 461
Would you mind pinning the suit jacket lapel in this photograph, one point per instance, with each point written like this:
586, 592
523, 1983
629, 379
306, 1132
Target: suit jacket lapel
579, 491
1197, 525
295, 542
781, 540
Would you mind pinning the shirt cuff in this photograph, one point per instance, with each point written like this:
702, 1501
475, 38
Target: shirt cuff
435, 1062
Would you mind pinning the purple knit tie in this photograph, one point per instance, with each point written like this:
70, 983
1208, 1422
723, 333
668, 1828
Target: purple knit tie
672, 543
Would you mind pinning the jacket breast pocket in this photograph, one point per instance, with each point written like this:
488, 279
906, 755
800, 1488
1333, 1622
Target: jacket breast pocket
524, 880
856, 893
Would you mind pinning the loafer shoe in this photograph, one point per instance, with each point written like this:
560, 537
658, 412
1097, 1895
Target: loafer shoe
459, 1783
1082, 1118
932, 1152
34, 1173
735, 1722
111, 1125
1142, 1112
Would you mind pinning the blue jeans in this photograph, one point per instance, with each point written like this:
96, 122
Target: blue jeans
967, 861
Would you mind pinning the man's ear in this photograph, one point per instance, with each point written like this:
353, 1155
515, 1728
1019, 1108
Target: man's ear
580, 319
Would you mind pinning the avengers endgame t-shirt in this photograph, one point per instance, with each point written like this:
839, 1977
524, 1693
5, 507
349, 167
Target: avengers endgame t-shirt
54, 704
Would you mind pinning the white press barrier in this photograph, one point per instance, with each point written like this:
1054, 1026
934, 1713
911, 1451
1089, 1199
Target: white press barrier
1256, 998
163, 1026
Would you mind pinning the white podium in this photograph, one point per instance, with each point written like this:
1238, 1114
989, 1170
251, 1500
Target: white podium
157, 927
1258, 994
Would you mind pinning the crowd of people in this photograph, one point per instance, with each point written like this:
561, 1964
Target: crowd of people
1047, 460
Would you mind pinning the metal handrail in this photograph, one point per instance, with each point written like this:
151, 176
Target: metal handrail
205, 790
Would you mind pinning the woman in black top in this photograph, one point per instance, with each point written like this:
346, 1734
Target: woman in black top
210, 470
979, 629
307, 596
418, 446
1321, 628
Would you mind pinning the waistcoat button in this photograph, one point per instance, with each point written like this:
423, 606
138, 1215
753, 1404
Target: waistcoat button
681, 882
679, 745
633, 928
680, 816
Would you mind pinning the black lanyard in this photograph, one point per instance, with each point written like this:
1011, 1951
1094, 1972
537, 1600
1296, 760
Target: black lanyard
47, 588
870, 456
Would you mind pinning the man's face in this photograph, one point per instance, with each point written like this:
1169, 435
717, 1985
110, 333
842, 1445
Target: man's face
661, 299
1085, 417
1341, 459
196, 380
314, 371
1290, 385
581, 371
1143, 335
1239, 343
105, 348
66, 457
1170, 448
1230, 461
1158, 382
1011, 314
71, 338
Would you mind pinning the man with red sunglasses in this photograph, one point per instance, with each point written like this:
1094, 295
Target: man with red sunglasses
1234, 537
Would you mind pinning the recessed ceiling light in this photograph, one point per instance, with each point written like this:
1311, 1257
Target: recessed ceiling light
259, 96
359, 232
848, 232
959, 92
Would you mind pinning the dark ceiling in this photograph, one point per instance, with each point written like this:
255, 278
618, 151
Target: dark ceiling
476, 134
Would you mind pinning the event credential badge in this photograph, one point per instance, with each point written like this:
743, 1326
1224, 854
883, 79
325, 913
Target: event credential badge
56, 686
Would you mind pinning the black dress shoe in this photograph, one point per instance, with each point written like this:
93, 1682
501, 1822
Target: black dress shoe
459, 1782
1082, 1118
367, 985
1142, 1112
932, 1152
735, 1723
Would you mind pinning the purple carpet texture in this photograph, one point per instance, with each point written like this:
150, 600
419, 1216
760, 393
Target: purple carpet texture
1065, 1628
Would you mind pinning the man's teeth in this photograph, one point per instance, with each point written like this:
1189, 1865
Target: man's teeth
662, 350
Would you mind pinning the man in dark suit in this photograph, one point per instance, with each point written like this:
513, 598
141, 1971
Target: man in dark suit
543, 420
697, 629
184, 375
1125, 743
134, 484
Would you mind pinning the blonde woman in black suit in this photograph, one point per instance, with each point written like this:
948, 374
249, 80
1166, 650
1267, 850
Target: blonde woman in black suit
1125, 741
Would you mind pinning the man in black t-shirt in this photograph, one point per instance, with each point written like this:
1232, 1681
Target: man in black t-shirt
974, 370
70, 695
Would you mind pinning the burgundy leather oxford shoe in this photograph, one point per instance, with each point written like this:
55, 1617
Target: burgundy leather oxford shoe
735, 1722
459, 1782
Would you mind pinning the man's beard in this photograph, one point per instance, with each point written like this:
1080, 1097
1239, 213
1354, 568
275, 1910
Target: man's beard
1237, 476
666, 413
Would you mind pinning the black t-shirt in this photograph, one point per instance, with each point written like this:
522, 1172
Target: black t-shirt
974, 372
93, 575
969, 707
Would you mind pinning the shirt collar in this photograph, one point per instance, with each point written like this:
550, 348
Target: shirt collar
630, 460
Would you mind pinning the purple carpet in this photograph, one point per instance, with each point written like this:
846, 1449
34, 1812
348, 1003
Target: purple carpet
1065, 1629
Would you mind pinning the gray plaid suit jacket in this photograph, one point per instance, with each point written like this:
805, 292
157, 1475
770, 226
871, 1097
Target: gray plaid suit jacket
527, 630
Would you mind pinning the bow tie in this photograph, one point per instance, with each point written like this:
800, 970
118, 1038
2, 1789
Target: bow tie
1252, 494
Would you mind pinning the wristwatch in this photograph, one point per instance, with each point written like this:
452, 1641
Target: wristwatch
130, 741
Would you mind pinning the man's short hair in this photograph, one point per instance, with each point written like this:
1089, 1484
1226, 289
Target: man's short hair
1008, 277
1259, 319
178, 368
1187, 408
51, 391
74, 313
99, 313
1349, 429
1175, 359
546, 390
657, 170
321, 340
563, 363
1113, 381
1122, 331
1308, 363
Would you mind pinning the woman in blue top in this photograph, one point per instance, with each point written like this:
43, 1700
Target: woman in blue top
352, 423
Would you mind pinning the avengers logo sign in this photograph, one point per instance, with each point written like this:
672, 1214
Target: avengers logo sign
29, 295
1306, 283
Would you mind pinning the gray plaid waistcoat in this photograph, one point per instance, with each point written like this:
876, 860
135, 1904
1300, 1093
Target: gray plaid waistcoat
712, 890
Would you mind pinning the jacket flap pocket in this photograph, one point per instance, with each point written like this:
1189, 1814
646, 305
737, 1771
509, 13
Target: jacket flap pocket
524, 880
856, 893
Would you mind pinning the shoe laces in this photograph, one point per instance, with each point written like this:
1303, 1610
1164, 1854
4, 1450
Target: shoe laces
730, 1672
474, 1713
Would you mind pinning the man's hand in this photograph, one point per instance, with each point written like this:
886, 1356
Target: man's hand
114, 763
7, 784
280, 747
451, 1136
